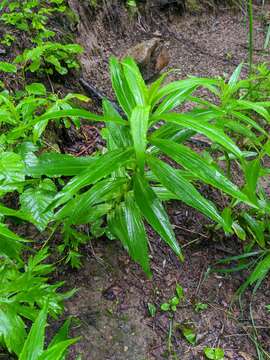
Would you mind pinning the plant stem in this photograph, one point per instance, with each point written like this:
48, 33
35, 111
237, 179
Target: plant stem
250, 41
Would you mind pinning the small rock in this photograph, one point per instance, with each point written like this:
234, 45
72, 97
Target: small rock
142, 51
112, 293
245, 355
151, 56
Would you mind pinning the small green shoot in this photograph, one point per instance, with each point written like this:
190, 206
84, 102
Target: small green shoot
214, 353
171, 305
152, 309
200, 307
189, 333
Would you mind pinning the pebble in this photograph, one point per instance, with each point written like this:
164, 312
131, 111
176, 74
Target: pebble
3, 51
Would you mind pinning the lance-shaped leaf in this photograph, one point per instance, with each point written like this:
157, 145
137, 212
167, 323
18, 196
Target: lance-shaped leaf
58, 351
125, 222
119, 135
139, 125
255, 106
199, 167
54, 164
12, 328
153, 211
185, 84
173, 100
35, 201
186, 192
211, 131
78, 208
34, 343
123, 93
10, 243
135, 81
136, 232
99, 169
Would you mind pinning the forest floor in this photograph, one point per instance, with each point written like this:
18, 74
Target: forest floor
113, 297
113, 294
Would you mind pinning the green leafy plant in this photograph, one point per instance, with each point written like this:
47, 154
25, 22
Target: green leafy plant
49, 57
152, 309
7, 67
33, 347
24, 290
188, 332
24, 116
214, 353
31, 15
8, 39
171, 305
129, 181
200, 307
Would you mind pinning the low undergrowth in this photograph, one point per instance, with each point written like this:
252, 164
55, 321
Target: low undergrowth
122, 189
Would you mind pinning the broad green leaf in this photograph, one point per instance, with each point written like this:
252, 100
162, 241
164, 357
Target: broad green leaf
247, 120
98, 169
14, 213
34, 343
10, 243
7, 67
80, 207
120, 86
36, 89
243, 130
12, 171
255, 106
185, 191
81, 113
120, 135
137, 238
211, 131
57, 351
55, 165
12, 329
214, 353
181, 85
256, 228
199, 167
153, 211
62, 333
189, 334
251, 171
36, 200
261, 270
155, 86
239, 231
126, 224
139, 126
173, 100
135, 81
235, 76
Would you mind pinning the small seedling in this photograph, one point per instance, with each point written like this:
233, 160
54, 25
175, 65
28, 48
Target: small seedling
152, 309
188, 333
268, 307
171, 305
200, 307
214, 353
